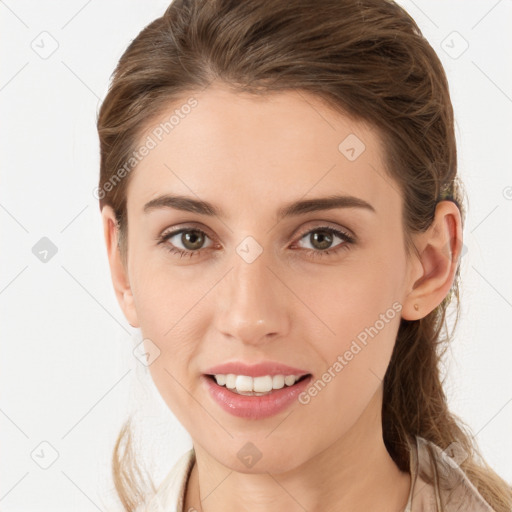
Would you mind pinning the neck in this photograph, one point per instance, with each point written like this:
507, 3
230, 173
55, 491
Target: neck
354, 474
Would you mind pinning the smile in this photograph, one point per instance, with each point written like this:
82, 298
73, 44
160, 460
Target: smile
255, 386
239, 401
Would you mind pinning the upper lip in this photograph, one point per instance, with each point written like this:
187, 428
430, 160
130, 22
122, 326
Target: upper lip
255, 370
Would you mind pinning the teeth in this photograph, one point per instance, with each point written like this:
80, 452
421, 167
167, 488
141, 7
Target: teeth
278, 381
245, 385
289, 380
221, 380
230, 381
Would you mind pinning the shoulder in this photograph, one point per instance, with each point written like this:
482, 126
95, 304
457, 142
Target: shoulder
438, 482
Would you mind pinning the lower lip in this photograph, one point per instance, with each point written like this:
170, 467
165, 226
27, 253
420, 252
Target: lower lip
255, 407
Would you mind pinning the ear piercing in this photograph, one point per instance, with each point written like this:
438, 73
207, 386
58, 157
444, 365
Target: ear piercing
416, 307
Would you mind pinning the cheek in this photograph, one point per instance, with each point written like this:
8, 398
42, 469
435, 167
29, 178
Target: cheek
163, 293
167, 312
358, 316
170, 370
171, 314
354, 370
348, 300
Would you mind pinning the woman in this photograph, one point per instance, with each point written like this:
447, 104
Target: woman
283, 221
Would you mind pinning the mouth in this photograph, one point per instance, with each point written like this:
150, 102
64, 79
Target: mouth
255, 398
256, 386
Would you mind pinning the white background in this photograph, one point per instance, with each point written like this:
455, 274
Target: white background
68, 375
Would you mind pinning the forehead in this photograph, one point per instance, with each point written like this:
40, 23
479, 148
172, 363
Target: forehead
260, 149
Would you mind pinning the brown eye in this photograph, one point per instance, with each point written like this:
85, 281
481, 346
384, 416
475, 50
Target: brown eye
185, 242
192, 240
321, 239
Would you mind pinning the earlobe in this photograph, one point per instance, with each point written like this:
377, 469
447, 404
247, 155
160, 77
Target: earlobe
434, 270
119, 273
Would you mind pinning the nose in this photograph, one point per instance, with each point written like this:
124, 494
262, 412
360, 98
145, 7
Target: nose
252, 302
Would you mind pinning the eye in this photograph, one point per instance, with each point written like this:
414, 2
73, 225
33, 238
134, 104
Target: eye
187, 241
321, 240
192, 241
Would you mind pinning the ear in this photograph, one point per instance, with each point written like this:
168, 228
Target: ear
432, 273
118, 271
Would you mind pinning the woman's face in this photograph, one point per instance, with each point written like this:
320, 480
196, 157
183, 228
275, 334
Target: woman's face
265, 275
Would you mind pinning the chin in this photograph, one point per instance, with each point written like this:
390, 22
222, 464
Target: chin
249, 459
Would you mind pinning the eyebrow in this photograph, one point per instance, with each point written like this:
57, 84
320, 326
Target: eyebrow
190, 204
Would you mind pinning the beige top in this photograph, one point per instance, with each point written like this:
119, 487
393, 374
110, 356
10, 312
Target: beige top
438, 484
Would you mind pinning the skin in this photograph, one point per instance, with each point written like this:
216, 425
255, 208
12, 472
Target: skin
249, 156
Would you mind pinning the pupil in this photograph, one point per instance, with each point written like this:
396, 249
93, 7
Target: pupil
192, 239
321, 239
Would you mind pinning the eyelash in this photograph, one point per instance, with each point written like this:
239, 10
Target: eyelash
315, 253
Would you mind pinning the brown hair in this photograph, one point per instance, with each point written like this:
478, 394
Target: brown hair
366, 59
